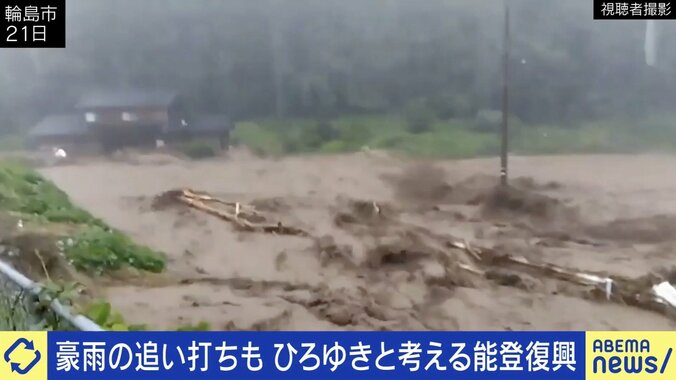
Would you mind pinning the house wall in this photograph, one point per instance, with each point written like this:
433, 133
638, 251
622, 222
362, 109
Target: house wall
156, 116
174, 116
146, 125
114, 132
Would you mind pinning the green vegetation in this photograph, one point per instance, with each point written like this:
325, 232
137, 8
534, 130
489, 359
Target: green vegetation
88, 244
14, 315
11, 142
101, 313
24, 192
91, 246
85, 241
290, 59
66, 293
454, 138
198, 149
419, 117
201, 326
435, 70
98, 250
23, 311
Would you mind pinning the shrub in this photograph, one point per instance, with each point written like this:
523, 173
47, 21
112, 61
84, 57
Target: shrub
452, 106
419, 117
262, 141
326, 131
487, 121
491, 121
308, 137
96, 250
198, 149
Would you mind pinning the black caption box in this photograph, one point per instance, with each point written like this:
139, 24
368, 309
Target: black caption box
33, 24
634, 10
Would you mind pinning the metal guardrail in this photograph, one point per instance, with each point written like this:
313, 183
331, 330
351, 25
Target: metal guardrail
18, 297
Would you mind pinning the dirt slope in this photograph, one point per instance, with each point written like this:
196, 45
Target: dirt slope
377, 254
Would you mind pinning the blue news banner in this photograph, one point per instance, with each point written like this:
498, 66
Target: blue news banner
316, 355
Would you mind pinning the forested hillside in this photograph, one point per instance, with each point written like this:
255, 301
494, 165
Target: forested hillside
317, 59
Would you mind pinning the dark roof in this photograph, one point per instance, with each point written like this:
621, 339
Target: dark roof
127, 98
59, 125
211, 123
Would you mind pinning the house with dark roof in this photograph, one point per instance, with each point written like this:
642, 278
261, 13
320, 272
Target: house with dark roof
122, 118
126, 99
59, 130
130, 117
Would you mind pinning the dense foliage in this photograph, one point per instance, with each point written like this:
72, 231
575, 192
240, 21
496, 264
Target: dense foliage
316, 59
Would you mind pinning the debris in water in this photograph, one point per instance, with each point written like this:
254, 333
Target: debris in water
60, 153
242, 216
665, 293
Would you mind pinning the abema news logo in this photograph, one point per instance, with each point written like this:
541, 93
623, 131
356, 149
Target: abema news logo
631, 355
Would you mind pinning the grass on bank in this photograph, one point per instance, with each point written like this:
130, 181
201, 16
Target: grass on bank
454, 138
85, 242
91, 246
88, 244
102, 314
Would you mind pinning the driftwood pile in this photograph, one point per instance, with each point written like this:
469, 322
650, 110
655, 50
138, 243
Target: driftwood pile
243, 216
651, 292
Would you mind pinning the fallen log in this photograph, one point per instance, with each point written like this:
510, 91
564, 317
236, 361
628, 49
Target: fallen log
648, 292
198, 201
239, 207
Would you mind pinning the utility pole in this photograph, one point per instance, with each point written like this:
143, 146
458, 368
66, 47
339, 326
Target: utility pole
504, 146
650, 44
276, 20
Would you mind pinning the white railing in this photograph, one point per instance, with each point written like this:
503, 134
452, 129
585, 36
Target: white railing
18, 292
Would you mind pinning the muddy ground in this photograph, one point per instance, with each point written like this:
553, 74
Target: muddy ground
377, 254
